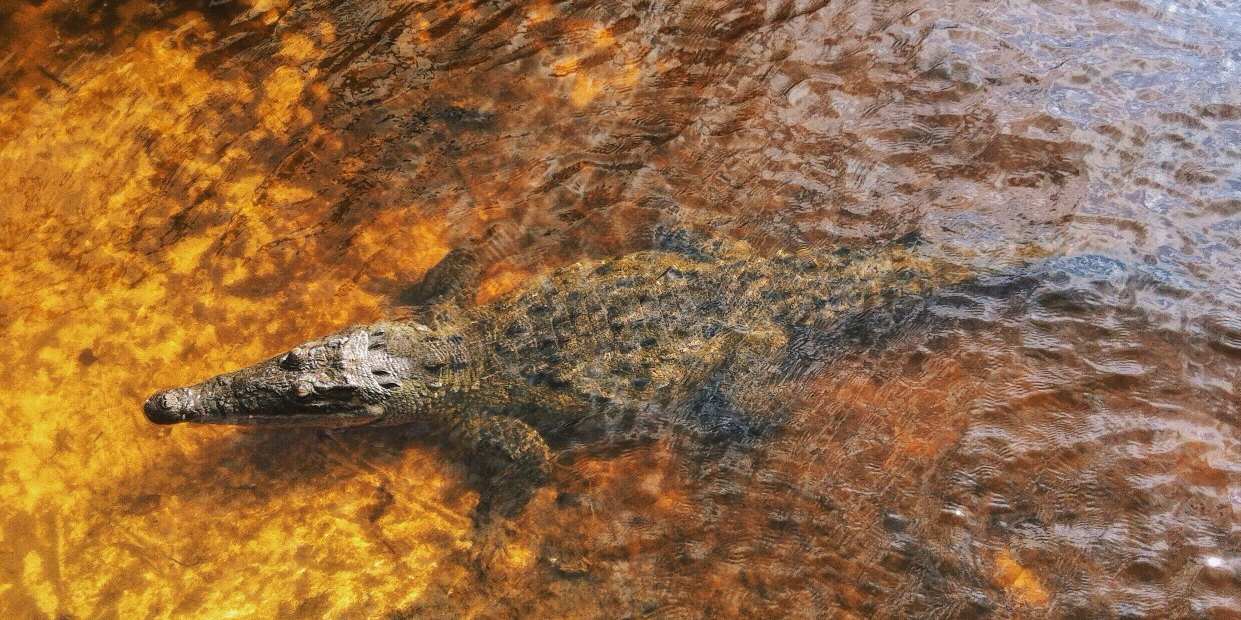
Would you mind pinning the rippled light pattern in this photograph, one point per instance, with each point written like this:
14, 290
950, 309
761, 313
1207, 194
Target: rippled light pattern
186, 187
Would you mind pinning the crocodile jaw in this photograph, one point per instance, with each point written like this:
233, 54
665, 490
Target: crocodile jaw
342, 380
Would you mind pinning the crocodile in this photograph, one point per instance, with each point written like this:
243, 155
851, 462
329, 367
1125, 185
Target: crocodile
693, 333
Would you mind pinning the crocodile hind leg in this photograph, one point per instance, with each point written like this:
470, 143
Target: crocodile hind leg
507, 456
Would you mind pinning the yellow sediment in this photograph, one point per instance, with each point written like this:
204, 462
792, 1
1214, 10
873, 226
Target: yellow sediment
496, 284
104, 300
1020, 582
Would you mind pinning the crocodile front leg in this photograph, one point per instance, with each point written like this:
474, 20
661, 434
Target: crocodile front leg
509, 456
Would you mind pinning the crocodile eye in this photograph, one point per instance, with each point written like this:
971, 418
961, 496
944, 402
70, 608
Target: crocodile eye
292, 360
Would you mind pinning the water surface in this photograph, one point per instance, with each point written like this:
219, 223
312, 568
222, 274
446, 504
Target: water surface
187, 187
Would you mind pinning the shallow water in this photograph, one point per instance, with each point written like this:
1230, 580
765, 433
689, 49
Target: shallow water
188, 187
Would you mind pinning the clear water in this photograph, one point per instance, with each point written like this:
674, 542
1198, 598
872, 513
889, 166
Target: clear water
188, 187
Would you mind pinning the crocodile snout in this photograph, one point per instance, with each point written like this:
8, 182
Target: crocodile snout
167, 407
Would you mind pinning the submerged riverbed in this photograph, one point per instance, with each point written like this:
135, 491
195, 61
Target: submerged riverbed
187, 187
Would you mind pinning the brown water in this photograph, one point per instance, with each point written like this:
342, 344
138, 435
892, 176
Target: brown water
190, 186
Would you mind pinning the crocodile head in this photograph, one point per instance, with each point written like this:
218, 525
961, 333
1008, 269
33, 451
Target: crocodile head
355, 377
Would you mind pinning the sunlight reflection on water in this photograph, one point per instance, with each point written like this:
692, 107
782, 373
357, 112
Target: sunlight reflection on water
185, 190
